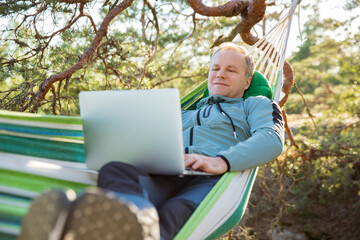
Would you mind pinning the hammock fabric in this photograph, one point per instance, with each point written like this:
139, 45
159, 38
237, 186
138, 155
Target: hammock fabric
38, 152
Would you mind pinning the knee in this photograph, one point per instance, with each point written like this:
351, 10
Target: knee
108, 167
117, 171
111, 171
116, 168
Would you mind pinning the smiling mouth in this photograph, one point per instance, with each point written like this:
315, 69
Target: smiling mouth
222, 84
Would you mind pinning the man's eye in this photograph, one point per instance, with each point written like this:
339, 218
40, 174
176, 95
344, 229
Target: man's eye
232, 70
215, 69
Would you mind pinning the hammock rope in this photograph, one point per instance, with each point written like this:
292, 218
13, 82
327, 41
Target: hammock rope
270, 51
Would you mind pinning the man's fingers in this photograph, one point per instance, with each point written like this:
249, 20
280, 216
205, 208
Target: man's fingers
206, 164
193, 161
197, 165
189, 160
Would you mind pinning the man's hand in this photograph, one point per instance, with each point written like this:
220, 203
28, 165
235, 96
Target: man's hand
215, 165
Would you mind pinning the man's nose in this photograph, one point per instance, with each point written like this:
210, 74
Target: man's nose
221, 73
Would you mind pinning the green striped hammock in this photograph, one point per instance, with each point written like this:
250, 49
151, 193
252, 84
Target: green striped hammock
38, 152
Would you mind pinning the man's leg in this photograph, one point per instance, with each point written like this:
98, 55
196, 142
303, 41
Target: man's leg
120, 210
136, 185
174, 213
175, 198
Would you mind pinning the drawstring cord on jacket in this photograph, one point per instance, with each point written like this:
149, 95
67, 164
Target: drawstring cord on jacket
225, 114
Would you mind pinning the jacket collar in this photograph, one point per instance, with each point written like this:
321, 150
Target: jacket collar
218, 98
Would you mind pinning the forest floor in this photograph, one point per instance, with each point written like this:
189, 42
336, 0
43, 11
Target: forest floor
304, 217
318, 221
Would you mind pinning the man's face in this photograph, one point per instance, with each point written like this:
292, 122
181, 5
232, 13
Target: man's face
227, 74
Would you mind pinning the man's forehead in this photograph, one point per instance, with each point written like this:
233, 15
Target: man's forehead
227, 52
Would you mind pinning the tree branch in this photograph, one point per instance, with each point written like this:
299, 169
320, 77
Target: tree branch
75, 1
253, 14
229, 9
156, 25
177, 77
288, 74
186, 37
102, 31
288, 130
306, 106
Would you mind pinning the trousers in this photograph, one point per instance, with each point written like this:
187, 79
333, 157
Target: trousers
174, 197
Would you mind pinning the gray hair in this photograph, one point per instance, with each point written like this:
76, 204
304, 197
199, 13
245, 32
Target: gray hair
239, 49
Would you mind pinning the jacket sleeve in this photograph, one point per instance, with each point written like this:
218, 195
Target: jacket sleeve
267, 136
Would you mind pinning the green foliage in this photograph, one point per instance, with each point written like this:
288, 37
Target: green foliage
14, 6
332, 174
351, 4
326, 58
296, 104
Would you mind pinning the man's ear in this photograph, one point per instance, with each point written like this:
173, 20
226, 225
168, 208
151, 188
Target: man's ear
247, 82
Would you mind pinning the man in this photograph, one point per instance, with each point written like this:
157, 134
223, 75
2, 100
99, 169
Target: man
225, 133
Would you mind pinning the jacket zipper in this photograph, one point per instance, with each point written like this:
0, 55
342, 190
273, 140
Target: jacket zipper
191, 136
198, 117
192, 128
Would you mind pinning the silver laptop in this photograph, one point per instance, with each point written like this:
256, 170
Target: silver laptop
139, 127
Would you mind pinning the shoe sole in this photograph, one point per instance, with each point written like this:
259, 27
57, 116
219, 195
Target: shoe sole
96, 215
46, 217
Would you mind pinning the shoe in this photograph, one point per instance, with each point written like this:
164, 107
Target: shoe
46, 217
101, 215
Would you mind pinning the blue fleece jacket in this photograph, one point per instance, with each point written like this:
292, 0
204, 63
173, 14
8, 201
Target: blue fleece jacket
245, 133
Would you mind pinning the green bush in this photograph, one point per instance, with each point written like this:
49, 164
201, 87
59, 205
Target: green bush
295, 103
